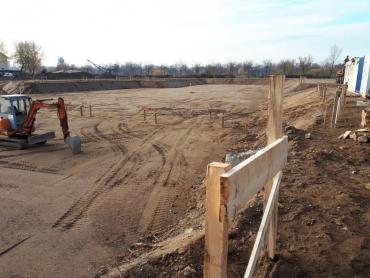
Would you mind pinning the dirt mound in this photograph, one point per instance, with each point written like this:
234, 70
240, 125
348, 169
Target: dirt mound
301, 87
172, 83
42, 87
239, 81
16, 87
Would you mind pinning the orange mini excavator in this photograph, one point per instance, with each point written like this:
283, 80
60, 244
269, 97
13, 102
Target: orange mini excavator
17, 122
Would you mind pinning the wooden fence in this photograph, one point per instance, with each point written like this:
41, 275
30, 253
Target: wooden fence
229, 190
339, 101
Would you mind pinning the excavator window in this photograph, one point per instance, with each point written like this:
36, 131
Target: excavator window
20, 106
5, 106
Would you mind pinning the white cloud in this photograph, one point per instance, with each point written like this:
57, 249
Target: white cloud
165, 31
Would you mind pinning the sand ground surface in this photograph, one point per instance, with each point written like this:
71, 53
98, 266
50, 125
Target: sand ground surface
323, 222
65, 215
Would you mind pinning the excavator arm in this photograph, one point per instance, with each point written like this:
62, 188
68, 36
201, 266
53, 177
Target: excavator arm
28, 124
74, 142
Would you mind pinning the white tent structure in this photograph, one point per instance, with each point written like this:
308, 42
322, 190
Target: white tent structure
365, 82
357, 76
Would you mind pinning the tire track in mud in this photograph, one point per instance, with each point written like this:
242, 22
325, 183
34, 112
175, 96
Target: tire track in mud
167, 186
26, 166
76, 212
105, 182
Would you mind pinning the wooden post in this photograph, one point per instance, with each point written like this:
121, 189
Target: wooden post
144, 116
155, 117
216, 225
335, 108
274, 132
81, 110
223, 120
344, 95
324, 103
339, 107
90, 109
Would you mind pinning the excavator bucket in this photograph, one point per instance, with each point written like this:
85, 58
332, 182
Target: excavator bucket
74, 143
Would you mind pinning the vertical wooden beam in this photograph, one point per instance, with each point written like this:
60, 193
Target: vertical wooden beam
216, 225
275, 108
344, 95
223, 120
144, 115
339, 107
335, 109
274, 132
324, 103
90, 109
155, 117
264, 225
81, 110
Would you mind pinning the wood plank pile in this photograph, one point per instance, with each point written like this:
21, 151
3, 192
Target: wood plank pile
365, 119
359, 135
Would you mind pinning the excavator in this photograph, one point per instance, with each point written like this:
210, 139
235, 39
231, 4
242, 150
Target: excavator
17, 122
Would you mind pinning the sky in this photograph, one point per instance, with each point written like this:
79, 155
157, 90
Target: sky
186, 31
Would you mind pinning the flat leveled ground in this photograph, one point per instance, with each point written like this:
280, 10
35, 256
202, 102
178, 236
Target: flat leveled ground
66, 216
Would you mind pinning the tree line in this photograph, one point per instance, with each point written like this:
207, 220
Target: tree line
28, 55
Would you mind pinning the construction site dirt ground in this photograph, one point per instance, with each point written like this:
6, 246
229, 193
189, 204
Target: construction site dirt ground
65, 215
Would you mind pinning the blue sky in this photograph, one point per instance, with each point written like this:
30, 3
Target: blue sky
192, 31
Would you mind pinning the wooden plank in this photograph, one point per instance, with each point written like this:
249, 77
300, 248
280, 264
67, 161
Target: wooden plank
244, 180
335, 107
345, 135
266, 218
216, 224
343, 96
325, 104
274, 132
275, 107
339, 107
361, 103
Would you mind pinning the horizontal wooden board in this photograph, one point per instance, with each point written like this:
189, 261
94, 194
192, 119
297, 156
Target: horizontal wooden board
244, 180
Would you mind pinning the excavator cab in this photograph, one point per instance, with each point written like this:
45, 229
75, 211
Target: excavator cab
17, 122
15, 109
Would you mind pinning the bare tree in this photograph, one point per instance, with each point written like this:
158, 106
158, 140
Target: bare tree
304, 64
286, 66
334, 55
3, 57
247, 68
232, 68
196, 69
61, 65
28, 55
267, 66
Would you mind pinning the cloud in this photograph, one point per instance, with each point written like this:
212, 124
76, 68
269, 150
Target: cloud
168, 31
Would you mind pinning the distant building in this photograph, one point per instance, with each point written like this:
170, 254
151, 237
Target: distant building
4, 62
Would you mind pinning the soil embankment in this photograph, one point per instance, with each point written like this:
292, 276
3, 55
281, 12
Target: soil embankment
52, 86
64, 86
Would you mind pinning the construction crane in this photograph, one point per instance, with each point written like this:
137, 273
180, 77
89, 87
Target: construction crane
112, 71
17, 122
